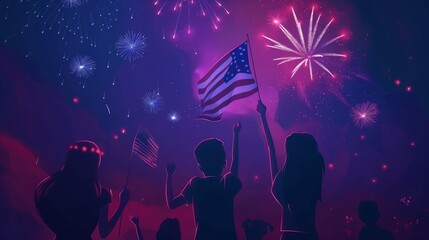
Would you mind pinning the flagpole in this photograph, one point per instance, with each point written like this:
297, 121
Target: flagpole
253, 65
130, 163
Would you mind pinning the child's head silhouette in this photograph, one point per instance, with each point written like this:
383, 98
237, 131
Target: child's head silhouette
368, 212
169, 230
256, 229
83, 160
211, 156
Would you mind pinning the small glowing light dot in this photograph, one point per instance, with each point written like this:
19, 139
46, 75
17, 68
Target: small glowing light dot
374, 180
331, 165
116, 137
256, 178
409, 89
75, 147
123, 130
75, 100
362, 137
384, 166
92, 150
84, 149
413, 144
397, 82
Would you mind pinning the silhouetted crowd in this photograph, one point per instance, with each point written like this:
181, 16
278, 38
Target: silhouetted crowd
72, 202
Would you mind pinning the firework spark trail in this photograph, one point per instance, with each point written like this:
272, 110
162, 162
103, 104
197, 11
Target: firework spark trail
82, 66
81, 19
131, 46
365, 114
190, 8
306, 51
73, 3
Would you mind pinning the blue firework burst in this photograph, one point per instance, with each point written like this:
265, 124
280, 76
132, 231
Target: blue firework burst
82, 66
131, 46
153, 102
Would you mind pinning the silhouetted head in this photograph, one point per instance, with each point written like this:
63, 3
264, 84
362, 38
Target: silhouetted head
368, 212
305, 164
256, 229
211, 156
169, 230
83, 160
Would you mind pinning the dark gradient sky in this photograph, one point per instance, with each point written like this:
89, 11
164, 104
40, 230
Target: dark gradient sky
387, 41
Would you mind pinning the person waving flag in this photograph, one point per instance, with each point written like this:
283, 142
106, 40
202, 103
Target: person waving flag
228, 80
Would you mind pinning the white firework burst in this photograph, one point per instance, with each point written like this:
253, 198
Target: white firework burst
306, 50
131, 46
82, 66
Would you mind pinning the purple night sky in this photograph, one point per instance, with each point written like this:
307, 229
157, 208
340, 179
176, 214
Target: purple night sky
44, 108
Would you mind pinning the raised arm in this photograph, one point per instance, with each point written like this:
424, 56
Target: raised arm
135, 221
234, 165
172, 202
262, 110
105, 226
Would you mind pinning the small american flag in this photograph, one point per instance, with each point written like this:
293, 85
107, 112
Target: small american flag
228, 80
145, 147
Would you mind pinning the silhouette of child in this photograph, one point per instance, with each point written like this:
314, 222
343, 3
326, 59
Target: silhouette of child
256, 229
168, 230
369, 215
297, 187
212, 195
71, 202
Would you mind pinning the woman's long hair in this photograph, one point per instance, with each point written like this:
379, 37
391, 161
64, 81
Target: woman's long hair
304, 167
75, 185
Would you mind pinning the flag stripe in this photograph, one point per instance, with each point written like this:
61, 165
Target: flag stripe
220, 92
225, 59
215, 79
248, 91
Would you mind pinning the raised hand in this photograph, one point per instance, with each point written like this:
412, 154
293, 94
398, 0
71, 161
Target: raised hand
124, 196
171, 168
261, 108
237, 127
134, 220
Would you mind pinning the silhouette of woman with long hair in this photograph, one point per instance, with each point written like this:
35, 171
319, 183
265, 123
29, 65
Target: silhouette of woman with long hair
296, 187
71, 202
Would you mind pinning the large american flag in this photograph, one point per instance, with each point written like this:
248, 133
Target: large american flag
228, 80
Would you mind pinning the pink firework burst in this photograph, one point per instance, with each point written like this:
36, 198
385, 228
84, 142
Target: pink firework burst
308, 48
186, 10
365, 114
